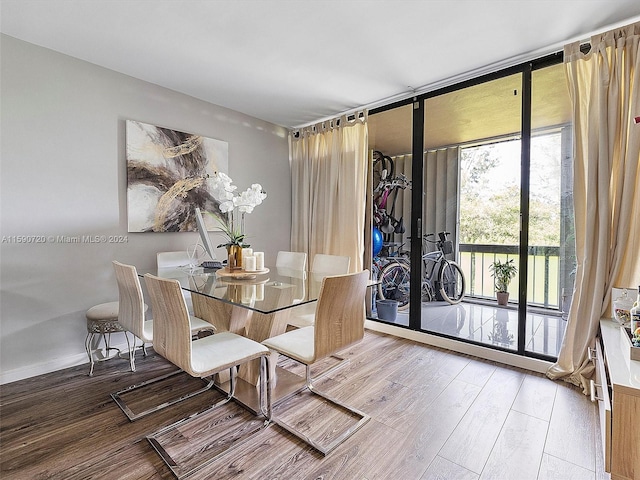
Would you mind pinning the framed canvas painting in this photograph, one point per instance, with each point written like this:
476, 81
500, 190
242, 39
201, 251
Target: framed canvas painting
167, 173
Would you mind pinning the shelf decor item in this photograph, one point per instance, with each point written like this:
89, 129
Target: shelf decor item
503, 273
622, 308
634, 317
234, 207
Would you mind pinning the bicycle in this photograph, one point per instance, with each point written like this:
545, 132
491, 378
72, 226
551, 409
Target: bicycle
394, 276
441, 279
449, 282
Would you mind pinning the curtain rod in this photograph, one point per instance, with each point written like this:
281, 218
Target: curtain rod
330, 123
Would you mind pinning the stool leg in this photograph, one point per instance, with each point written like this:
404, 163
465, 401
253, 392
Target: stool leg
87, 346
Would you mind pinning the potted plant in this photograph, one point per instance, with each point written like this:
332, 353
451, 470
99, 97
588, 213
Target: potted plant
222, 189
234, 244
503, 273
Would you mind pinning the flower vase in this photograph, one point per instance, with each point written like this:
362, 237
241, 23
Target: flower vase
234, 257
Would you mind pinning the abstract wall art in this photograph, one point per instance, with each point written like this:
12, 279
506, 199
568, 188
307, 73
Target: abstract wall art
167, 173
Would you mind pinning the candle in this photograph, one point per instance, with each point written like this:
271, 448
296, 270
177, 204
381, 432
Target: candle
249, 263
246, 252
259, 260
248, 293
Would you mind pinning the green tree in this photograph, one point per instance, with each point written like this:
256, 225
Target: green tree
475, 162
490, 199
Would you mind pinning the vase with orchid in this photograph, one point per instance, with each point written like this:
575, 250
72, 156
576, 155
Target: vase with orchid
231, 206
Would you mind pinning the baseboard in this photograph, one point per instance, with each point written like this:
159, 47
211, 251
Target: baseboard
49, 366
506, 358
527, 363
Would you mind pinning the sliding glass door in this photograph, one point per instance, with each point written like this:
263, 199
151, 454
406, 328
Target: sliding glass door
486, 206
472, 172
390, 140
551, 242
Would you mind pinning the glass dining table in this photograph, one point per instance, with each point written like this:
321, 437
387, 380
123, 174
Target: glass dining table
268, 291
256, 305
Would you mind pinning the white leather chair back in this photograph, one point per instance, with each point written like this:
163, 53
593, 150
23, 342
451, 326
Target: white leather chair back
330, 264
292, 260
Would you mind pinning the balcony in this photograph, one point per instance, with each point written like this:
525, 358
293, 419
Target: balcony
479, 319
549, 284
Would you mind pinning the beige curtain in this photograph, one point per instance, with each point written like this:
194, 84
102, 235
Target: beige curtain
441, 193
328, 175
605, 94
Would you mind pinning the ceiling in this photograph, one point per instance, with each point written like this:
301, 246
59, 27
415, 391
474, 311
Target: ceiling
490, 110
293, 63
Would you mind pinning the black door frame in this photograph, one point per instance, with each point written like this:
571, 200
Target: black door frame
525, 70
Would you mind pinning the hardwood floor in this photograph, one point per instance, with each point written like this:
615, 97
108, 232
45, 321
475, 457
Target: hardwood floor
435, 415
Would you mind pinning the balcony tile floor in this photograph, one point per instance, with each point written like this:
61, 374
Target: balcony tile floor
491, 325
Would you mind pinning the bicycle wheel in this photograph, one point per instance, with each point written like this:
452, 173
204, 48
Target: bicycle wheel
394, 284
451, 282
426, 296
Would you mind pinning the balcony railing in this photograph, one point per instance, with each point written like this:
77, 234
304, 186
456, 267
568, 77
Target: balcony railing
544, 272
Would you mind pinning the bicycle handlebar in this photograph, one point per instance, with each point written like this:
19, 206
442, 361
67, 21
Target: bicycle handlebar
442, 236
390, 183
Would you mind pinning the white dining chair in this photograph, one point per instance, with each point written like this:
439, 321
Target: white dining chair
293, 265
292, 260
200, 358
133, 319
172, 259
340, 316
132, 309
180, 261
323, 265
330, 264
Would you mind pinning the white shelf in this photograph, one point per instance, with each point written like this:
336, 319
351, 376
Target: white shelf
623, 372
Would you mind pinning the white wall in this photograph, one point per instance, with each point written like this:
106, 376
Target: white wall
63, 173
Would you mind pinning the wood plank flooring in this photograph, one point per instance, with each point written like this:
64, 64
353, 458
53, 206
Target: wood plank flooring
435, 415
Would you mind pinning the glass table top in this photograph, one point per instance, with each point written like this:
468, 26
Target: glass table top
274, 290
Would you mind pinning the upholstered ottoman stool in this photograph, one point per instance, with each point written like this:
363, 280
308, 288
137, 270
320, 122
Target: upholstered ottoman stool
102, 320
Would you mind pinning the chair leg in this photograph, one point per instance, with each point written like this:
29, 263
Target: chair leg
326, 449
132, 416
342, 361
106, 338
265, 397
266, 388
132, 351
